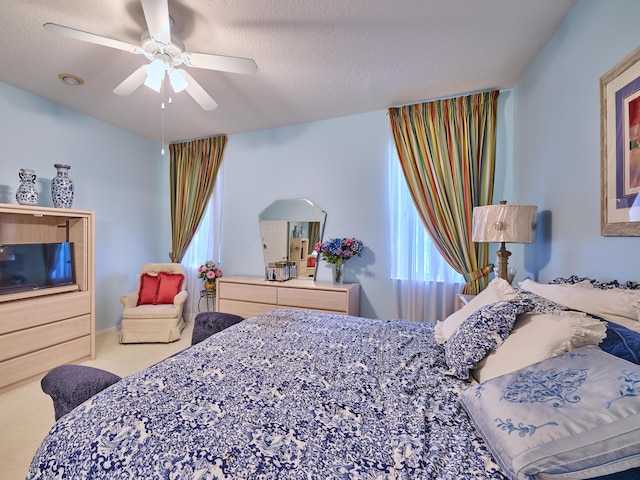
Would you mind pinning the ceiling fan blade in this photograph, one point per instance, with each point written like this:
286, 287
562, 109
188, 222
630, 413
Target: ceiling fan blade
132, 82
156, 12
91, 38
198, 93
220, 62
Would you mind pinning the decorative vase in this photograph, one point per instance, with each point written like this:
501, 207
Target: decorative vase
27, 193
337, 269
62, 187
209, 286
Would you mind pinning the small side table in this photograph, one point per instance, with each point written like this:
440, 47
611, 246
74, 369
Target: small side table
462, 300
208, 295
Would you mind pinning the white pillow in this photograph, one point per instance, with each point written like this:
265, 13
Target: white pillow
497, 290
616, 304
538, 336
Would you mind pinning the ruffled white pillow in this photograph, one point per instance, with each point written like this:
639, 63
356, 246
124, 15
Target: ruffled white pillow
616, 304
497, 290
538, 336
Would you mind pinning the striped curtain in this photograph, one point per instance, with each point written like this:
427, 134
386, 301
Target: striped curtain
192, 175
447, 153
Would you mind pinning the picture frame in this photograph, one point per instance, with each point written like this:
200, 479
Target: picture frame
620, 148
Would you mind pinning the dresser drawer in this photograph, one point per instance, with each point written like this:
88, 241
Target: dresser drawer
333, 301
36, 338
247, 293
21, 314
20, 368
244, 309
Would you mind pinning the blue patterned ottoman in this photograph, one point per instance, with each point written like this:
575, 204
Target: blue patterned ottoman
208, 323
71, 385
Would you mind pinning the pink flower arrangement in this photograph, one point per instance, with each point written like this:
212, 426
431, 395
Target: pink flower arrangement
209, 271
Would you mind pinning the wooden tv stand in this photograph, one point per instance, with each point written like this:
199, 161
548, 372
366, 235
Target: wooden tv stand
41, 329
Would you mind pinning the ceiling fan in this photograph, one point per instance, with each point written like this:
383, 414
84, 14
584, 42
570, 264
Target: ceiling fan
166, 53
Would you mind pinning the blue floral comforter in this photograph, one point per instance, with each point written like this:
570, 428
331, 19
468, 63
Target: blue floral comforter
285, 395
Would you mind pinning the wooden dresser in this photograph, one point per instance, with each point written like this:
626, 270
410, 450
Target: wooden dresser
41, 329
249, 296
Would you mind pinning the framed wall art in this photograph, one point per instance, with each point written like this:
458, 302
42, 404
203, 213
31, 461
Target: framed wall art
620, 148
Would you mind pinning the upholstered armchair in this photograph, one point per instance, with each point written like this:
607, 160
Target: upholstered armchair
153, 313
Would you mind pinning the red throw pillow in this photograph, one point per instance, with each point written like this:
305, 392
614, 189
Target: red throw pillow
148, 289
169, 286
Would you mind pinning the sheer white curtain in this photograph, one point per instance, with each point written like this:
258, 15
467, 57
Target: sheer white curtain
204, 246
424, 285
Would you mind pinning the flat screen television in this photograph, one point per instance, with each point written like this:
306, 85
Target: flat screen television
32, 266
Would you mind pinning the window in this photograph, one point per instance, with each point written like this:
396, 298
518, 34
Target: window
199, 250
413, 254
206, 241
204, 246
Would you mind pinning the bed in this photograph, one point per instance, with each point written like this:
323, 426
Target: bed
308, 395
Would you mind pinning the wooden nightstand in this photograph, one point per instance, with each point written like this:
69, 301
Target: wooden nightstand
462, 299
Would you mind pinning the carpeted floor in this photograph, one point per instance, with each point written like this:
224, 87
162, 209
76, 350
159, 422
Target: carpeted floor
26, 413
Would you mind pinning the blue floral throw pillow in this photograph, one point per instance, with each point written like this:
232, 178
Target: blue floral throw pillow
576, 415
482, 332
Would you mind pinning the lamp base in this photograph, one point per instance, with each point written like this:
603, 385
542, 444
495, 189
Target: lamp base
503, 263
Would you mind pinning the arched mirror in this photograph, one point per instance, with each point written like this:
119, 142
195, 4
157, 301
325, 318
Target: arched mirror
290, 230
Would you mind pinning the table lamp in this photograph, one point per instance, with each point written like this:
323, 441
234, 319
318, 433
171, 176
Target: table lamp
506, 224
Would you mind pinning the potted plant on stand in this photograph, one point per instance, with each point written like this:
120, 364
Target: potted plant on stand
209, 272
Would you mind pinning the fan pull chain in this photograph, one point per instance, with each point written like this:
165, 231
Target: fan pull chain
162, 107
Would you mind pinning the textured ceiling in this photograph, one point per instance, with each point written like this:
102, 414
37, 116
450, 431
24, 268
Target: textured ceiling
316, 59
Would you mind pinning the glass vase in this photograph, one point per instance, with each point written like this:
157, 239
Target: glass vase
337, 269
209, 286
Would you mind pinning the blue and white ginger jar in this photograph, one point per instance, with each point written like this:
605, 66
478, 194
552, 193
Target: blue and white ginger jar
62, 187
27, 193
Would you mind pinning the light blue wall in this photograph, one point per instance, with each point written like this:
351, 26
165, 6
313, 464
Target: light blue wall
119, 175
340, 165
556, 161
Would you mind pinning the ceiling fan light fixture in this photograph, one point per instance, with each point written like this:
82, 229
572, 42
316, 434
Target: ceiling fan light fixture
165, 51
155, 74
177, 79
